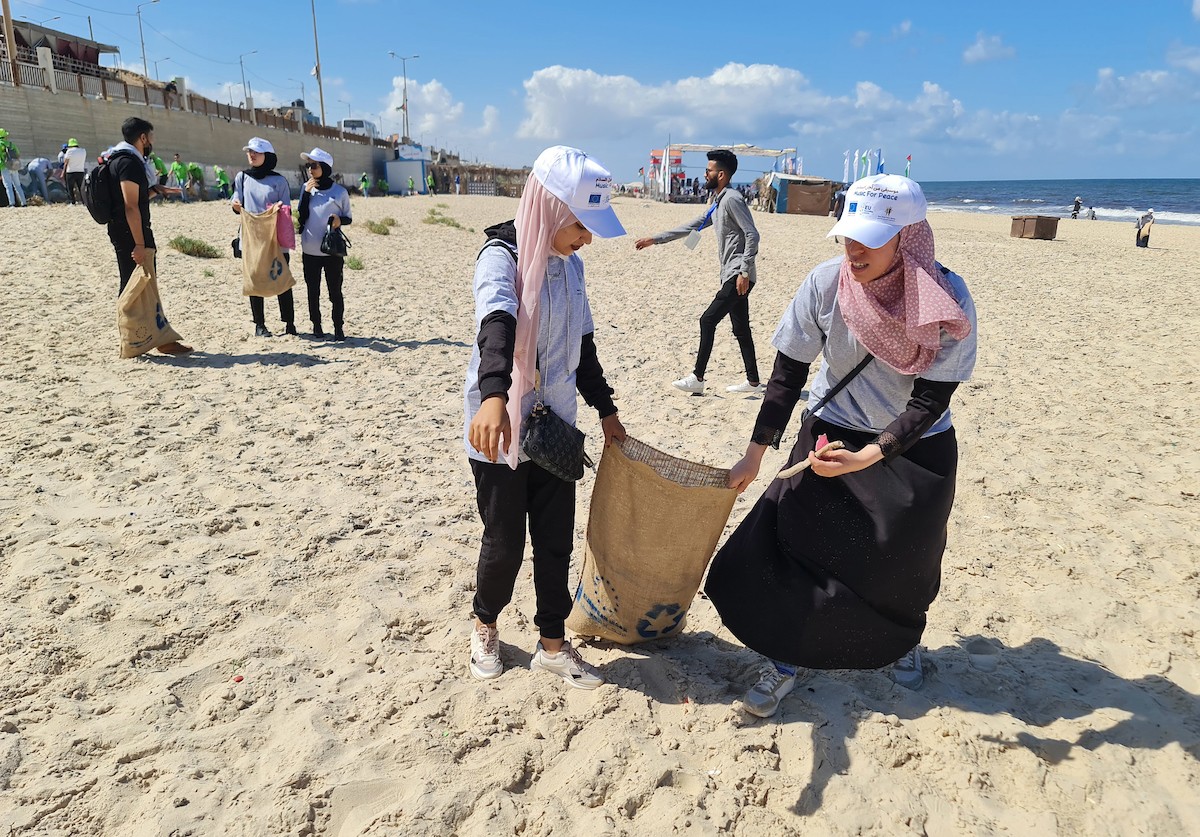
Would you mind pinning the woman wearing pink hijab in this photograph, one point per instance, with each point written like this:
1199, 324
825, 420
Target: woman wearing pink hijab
837, 564
535, 342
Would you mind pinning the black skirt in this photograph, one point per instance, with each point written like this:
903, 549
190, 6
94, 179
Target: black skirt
838, 573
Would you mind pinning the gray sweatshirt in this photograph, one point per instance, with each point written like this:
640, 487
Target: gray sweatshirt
737, 237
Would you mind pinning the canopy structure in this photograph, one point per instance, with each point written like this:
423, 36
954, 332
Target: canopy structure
665, 173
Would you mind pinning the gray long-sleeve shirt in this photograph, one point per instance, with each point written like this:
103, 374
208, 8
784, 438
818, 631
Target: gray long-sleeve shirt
737, 237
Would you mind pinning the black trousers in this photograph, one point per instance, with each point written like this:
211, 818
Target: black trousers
737, 307
75, 185
505, 498
332, 265
125, 264
287, 304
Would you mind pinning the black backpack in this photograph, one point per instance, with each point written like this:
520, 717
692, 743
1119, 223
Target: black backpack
100, 190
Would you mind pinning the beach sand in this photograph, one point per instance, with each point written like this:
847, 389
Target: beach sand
299, 514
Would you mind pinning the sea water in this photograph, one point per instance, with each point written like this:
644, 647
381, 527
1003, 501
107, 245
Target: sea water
1173, 201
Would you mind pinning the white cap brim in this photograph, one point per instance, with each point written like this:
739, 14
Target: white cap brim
866, 232
601, 222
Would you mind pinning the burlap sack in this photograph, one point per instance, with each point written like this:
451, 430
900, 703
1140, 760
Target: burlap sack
140, 319
264, 271
655, 521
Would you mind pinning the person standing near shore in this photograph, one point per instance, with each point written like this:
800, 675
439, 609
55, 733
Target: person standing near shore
256, 189
737, 247
10, 163
836, 566
1144, 223
129, 228
1078, 206
74, 167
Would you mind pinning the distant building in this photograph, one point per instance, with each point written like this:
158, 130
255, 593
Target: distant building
70, 53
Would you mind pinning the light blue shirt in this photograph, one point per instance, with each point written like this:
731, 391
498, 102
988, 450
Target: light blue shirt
813, 325
322, 205
565, 317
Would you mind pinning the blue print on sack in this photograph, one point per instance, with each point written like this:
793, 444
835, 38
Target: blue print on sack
276, 269
159, 319
660, 620
596, 611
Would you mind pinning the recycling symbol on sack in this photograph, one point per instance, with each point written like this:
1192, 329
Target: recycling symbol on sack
159, 319
276, 269
652, 624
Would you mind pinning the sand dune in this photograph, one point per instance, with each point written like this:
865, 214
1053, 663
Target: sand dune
299, 514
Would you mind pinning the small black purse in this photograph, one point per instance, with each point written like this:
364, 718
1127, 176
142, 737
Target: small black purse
334, 242
553, 444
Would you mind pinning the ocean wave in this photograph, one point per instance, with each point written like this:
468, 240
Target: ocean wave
1103, 213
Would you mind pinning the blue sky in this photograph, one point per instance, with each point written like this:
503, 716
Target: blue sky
1019, 90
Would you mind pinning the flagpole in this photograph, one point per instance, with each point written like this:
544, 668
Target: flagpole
317, 51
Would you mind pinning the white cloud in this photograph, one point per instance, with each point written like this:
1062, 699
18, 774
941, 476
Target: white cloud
862, 37
905, 28
735, 101
1196, 9
1145, 87
1185, 57
434, 112
987, 48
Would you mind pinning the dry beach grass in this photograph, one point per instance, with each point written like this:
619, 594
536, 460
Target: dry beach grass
299, 514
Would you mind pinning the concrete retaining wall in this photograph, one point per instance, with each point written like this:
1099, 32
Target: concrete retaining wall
39, 122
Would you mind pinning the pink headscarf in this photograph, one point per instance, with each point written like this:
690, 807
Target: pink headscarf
540, 216
899, 316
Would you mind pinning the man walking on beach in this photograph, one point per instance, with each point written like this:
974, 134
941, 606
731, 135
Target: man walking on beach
10, 161
737, 247
74, 166
129, 229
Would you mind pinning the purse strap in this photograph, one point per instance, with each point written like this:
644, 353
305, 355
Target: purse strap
862, 364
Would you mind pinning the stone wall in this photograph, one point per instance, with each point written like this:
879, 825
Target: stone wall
39, 122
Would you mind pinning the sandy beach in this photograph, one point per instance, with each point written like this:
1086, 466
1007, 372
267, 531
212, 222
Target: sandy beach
237, 585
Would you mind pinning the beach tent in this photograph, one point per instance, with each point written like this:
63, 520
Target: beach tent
798, 194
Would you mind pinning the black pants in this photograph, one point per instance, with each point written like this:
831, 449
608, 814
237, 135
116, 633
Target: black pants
332, 265
505, 497
75, 185
287, 304
125, 264
728, 302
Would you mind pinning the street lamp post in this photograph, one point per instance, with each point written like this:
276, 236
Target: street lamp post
245, 91
156, 63
302, 97
141, 37
49, 20
404, 59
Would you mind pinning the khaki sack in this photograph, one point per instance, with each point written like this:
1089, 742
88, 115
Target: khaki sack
140, 318
264, 270
654, 523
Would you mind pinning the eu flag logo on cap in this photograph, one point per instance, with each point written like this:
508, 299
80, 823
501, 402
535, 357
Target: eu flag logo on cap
594, 199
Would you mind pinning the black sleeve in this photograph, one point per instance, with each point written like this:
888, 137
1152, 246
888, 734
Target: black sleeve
783, 391
497, 339
929, 400
590, 381
346, 220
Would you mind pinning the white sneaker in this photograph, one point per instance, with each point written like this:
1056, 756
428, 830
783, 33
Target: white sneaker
907, 671
690, 384
746, 386
764, 696
485, 652
568, 665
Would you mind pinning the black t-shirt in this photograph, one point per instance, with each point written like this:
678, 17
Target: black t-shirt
129, 167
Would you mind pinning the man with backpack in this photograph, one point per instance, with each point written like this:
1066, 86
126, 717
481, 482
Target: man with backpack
127, 192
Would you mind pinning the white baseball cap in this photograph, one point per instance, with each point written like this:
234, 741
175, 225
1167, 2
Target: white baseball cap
582, 184
318, 155
260, 145
878, 207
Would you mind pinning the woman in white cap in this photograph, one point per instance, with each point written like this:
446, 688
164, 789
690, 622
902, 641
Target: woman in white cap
535, 343
256, 189
836, 565
323, 204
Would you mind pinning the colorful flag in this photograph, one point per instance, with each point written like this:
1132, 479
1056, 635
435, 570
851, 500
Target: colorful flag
846, 166
907, 164
866, 163
879, 161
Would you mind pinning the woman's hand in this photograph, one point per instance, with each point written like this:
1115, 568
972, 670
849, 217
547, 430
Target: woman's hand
335, 221
489, 427
236, 205
746, 470
311, 185
838, 463
612, 429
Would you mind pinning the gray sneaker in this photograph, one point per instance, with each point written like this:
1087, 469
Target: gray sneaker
568, 665
764, 696
485, 652
907, 671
